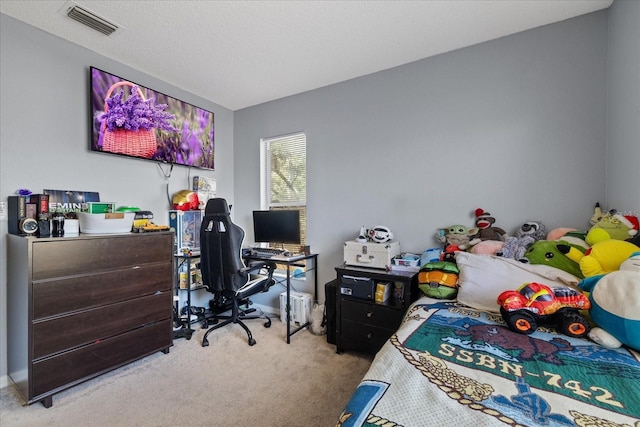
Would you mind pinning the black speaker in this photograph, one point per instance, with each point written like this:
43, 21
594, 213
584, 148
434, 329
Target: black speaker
16, 212
330, 292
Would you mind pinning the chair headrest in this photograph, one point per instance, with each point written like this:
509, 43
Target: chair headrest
217, 206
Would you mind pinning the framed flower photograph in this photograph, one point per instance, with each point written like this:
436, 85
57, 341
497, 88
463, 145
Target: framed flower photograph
132, 120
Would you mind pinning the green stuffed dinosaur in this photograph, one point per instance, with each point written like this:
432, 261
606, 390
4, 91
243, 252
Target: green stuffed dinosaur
546, 252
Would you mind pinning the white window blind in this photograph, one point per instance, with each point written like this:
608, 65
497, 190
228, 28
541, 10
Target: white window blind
283, 175
285, 171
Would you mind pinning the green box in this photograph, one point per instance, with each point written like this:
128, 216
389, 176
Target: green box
98, 207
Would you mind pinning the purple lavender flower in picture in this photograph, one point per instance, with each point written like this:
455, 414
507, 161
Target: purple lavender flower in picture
190, 145
135, 113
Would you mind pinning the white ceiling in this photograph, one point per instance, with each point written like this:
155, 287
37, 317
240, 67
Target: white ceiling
242, 53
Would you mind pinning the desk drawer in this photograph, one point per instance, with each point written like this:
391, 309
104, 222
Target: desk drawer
84, 327
65, 295
99, 357
371, 314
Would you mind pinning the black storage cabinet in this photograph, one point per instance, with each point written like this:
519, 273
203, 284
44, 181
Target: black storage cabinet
362, 324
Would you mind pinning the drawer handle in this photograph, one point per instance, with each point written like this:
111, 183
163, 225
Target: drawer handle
369, 314
369, 335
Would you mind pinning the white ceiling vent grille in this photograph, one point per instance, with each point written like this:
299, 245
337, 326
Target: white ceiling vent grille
89, 18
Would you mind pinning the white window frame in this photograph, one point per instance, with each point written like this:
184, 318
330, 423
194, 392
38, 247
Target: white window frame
265, 173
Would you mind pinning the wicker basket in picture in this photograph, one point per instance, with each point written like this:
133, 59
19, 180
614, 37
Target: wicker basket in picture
139, 143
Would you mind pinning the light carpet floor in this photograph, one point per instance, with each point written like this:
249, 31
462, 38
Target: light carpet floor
228, 383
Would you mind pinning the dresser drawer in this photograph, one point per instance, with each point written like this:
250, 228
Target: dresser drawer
363, 337
98, 357
61, 333
60, 296
371, 314
76, 256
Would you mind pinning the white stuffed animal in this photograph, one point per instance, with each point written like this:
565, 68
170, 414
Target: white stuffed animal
615, 305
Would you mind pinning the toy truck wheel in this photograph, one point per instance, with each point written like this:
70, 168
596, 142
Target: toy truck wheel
573, 324
520, 321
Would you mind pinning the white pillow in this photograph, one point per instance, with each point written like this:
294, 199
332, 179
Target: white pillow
483, 277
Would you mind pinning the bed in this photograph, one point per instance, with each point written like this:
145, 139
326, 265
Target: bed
455, 363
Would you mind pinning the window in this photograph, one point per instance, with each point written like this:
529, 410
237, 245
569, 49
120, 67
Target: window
283, 177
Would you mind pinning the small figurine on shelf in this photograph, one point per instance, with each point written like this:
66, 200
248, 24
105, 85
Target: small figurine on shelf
362, 237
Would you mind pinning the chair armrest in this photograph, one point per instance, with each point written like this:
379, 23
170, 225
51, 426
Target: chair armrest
258, 265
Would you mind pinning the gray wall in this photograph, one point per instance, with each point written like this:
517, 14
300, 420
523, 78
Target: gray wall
623, 118
516, 126
45, 131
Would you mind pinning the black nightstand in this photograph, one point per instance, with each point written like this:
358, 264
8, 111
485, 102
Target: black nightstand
361, 323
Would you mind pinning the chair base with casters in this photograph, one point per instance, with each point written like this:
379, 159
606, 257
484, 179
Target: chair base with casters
237, 316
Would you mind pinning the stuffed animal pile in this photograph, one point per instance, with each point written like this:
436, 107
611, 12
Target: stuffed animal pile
606, 256
600, 249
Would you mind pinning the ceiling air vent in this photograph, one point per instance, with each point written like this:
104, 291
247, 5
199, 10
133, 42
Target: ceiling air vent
89, 18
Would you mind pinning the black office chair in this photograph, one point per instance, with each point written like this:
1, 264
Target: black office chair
223, 271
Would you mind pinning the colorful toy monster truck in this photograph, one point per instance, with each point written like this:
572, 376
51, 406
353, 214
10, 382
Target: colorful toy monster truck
534, 303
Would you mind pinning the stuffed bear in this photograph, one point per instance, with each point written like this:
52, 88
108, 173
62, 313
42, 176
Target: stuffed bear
615, 305
528, 233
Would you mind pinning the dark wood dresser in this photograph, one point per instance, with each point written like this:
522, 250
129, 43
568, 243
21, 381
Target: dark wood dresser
78, 307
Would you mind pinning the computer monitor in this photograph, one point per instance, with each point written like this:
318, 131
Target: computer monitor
276, 227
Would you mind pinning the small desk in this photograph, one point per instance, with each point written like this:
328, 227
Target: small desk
295, 261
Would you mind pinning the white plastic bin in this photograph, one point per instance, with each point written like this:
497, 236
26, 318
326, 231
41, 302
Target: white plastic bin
106, 223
